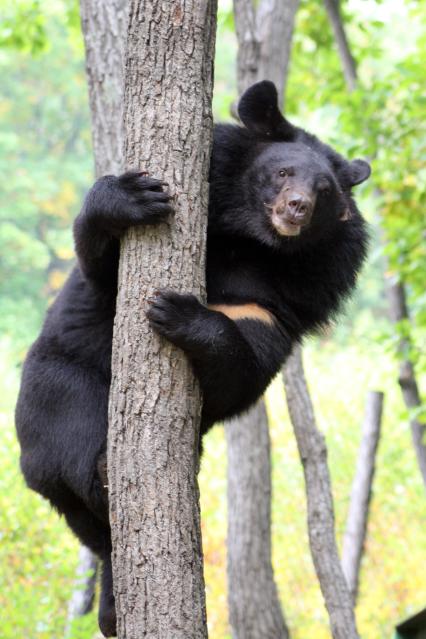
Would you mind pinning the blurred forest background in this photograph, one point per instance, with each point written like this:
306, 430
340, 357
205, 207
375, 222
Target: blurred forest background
46, 166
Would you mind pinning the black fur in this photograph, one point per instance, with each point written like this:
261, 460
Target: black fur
284, 233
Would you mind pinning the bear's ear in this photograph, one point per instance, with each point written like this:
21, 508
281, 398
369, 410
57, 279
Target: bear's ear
259, 112
358, 172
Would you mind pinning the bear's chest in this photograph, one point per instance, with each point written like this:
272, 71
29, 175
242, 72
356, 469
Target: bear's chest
238, 275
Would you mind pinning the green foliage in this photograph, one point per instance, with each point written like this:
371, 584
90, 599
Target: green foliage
23, 26
84, 627
45, 166
37, 554
225, 71
383, 119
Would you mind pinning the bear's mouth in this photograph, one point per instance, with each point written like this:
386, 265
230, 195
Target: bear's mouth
284, 226
283, 222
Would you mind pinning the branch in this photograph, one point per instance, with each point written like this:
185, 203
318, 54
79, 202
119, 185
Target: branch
407, 377
313, 454
356, 525
348, 61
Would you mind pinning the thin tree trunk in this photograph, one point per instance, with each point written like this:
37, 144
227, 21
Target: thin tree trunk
264, 39
356, 524
407, 378
254, 607
313, 454
104, 28
396, 294
103, 25
348, 62
154, 398
82, 598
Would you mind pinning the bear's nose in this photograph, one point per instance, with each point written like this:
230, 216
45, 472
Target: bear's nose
299, 207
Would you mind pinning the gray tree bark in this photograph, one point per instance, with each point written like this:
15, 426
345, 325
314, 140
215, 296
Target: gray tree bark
254, 608
154, 399
313, 453
395, 291
264, 40
104, 28
359, 504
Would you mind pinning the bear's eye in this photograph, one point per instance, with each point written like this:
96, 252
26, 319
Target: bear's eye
283, 172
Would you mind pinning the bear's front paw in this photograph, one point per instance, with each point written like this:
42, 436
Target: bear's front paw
176, 317
151, 203
115, 204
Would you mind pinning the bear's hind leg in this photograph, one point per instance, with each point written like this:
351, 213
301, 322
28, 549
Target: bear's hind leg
107, 615
97, 537
89, 529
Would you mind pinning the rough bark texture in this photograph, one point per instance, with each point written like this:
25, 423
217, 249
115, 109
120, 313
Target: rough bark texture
407, 378
348, 62
313, 453
154, 398
356, 523
104, 28
264, 40
254, 607
82, 598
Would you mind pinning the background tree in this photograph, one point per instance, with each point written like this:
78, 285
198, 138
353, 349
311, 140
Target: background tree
104, 28
154, 398
361, 492
264, 34
320, 504
45, 167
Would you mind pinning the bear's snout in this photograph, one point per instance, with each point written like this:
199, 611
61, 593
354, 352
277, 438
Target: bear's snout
291, 211
298, 208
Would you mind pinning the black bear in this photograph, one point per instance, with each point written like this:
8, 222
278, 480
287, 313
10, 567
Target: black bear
285, 243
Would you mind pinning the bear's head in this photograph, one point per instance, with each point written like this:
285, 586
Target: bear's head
291, 189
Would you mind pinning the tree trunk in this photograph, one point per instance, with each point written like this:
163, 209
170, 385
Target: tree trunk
313, 453
154, 398
356, 524
104, 27
264, 39
407, 378
254, 607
